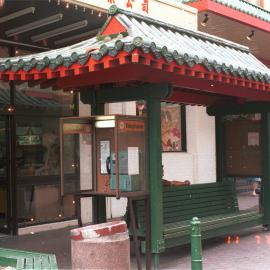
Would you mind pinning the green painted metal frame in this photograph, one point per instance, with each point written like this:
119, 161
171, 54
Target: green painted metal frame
153, 94
266, 169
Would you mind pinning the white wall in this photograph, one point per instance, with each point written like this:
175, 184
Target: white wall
170, 11
198, 164
267, 4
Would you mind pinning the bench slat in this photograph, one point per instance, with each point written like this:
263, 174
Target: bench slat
206, 224
29, 263
27, 260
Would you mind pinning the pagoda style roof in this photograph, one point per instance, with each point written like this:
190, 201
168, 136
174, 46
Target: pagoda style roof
152, 43
242, 6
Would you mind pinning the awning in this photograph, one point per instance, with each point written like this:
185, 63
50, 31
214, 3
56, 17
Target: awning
128, 38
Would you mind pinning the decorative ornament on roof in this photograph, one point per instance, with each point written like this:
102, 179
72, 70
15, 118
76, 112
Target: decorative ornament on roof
113, 10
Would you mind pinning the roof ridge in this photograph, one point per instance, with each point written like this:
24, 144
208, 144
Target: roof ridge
114, 10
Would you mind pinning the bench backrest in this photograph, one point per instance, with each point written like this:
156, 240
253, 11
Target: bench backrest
182, 203
201, 200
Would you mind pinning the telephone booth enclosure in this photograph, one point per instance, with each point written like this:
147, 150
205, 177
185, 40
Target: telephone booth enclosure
107, 152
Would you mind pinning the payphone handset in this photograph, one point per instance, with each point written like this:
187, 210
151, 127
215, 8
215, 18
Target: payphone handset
110, 158
128, 181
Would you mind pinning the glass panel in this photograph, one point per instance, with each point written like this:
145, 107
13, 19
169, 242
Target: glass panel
3, 151
243, 157
3, 176
3, 208
131, 156
38, 154
76, 156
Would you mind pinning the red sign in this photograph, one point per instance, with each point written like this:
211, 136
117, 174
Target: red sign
129, 4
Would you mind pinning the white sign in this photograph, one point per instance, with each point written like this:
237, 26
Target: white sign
253, 139
104, 154
133, 160
139, 6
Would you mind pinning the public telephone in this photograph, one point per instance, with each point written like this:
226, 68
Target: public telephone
127, 182
110, 153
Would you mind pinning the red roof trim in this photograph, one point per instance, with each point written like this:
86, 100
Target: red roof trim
113, 27
209, 5
196, 77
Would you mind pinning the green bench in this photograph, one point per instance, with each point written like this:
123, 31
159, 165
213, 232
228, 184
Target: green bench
215, 204
18, 259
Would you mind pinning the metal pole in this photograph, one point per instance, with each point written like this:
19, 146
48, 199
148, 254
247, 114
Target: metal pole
196, 245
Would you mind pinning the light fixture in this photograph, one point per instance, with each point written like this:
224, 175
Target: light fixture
205, 20
99, 14
58, 2
10, 109
87, 34
105, 124
17, 14
92, 11
76, 7
67, 5
33, 25
251, 35
84, 9
59, 31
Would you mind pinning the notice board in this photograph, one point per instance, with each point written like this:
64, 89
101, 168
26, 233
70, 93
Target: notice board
243, 147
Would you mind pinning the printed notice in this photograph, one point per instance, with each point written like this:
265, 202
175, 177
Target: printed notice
253, 139
133, 160
104, 154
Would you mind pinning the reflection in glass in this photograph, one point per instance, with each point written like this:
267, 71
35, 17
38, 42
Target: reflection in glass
38, 154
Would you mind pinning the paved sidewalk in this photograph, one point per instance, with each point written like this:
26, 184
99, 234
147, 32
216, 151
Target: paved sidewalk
251, 253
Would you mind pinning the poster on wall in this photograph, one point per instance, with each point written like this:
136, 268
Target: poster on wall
171, 127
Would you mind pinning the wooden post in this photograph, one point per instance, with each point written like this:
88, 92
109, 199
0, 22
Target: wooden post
266, 169
155, 175
220, 148
99, 203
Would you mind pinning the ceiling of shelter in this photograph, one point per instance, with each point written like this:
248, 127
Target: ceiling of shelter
236, 32
47, 23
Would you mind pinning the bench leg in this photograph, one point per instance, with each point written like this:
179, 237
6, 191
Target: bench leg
156, 260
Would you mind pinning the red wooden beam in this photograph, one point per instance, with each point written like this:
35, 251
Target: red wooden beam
192, 98
145, 74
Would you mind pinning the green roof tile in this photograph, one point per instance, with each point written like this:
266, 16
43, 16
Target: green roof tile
162, 40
